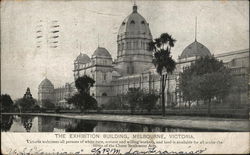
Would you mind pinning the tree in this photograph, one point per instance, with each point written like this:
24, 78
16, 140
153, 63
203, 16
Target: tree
149, 101
6, 103
6, 122
163, 60
27, 122
116, 103
36, 108
82, 99
140, 99
134, 98
25, 103
82, 126
48, 104
206, 79
188, 85
84, 83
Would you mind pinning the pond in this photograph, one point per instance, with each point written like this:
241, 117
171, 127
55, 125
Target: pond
27, 123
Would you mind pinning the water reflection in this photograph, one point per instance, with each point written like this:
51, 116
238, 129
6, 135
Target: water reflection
24, 123
27, 122
81, 125
6, 122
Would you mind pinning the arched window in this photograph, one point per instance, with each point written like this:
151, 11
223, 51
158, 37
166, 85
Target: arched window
132, 70
147, 46
118, 47
128, 69
142, 22
142, 45
132, 22
129, 45
104, 94
104, 76
136, 45
123, 46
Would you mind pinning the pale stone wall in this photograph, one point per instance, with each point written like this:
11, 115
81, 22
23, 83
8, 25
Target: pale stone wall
45, 94
113, 85
229, 56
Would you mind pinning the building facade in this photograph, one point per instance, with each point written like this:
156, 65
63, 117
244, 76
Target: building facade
133, 67
58, 96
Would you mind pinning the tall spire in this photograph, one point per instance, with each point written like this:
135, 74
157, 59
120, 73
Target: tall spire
80, 48
196, 28
46, 72
98, 41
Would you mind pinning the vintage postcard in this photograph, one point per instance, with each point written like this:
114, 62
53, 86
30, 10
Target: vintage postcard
125, 77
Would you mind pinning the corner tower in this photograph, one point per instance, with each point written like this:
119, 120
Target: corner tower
133, 37
45, 91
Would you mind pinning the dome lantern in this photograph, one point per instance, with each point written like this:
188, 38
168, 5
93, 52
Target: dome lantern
134, 25
135, 8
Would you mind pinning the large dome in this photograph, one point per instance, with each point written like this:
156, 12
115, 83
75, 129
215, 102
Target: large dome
101, 52
195, 49
82, 58
134, 24
46, 83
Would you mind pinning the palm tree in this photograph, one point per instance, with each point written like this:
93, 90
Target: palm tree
163, 60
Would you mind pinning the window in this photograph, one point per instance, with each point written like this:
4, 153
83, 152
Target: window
142, 45
123, 46
104, 76
132, 69
104, 94
119, 47
136, 45
142, 22
147, 46
132, 22
129, 45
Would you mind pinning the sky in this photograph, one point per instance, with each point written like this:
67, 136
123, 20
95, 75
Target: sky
222, 26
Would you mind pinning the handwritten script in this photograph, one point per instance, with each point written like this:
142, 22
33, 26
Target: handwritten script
37, 151
151, 149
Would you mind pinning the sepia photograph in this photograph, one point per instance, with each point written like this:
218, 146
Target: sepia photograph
124, 66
